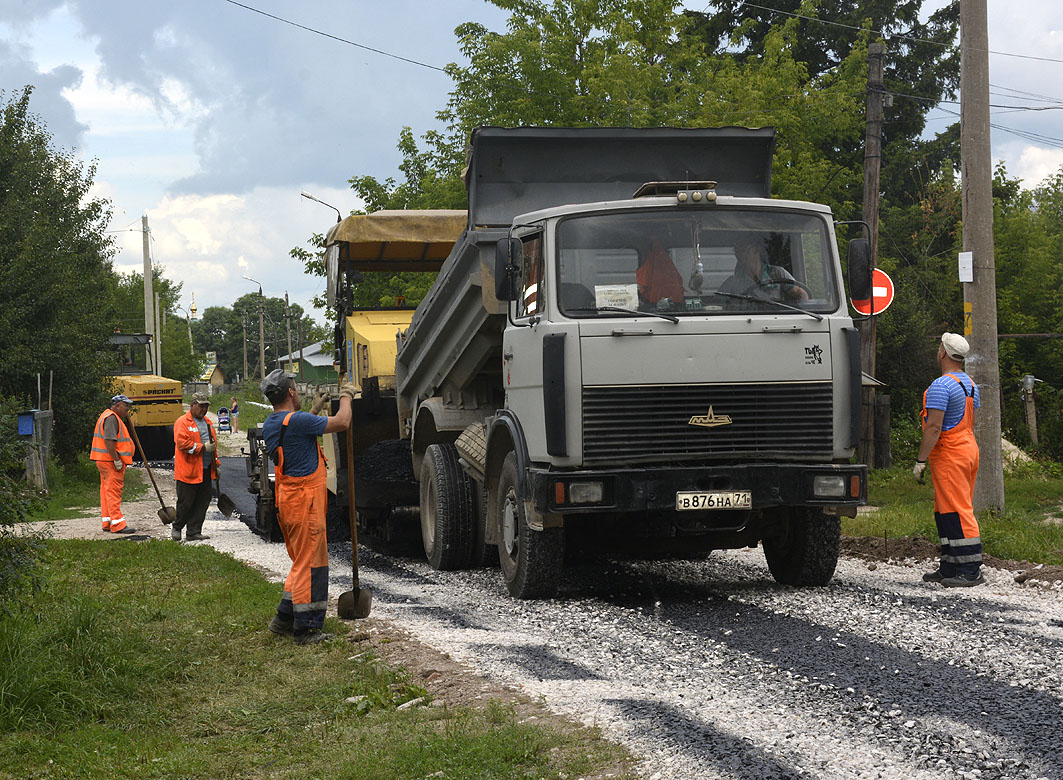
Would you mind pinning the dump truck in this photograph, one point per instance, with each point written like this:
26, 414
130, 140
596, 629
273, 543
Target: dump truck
631, 346
157, 401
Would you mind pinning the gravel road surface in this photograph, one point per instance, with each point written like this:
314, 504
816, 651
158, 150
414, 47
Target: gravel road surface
710, 670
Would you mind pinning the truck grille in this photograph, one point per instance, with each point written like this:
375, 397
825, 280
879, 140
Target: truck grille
638, 423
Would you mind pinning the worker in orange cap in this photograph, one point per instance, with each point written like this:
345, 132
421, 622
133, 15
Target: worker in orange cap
195, 467
948, 442
112, 450
291, 441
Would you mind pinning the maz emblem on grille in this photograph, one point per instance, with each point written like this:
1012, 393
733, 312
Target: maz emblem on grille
710, 420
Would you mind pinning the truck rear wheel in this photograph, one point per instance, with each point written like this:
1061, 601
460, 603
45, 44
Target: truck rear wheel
447, 511
531, 560
806, 553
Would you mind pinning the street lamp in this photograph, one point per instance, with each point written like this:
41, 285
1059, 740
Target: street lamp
188, 319
261, 332
308, 196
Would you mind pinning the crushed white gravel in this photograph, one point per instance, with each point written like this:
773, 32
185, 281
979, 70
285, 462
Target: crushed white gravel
710, 670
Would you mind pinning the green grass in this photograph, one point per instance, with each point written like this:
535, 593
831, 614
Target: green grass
74, 490
149, 660
1032, 492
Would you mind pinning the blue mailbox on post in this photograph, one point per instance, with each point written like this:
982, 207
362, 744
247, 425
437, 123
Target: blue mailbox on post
25, 422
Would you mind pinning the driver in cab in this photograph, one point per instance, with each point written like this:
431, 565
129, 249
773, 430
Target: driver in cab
755, 276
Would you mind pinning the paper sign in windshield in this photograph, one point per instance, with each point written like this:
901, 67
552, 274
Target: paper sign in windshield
623, 296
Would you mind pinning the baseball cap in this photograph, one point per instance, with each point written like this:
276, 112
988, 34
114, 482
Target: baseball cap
120, 397
200, 398
956, 346
275, 380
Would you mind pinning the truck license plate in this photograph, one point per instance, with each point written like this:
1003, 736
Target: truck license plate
714, 499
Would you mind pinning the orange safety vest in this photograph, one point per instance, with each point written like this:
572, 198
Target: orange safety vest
123, 445
188, 466
658, 278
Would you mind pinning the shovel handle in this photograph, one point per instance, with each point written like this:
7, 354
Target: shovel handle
144, 455
352, 514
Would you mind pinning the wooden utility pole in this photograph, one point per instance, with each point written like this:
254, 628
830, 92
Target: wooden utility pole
980, 296
243, 316
872, 167
158, 338
288, 325
149, 296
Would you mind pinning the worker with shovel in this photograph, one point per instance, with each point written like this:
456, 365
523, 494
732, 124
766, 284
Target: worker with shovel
112, 449
195, 464
302, 496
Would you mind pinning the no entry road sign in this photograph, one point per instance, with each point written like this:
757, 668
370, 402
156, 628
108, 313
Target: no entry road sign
881, 292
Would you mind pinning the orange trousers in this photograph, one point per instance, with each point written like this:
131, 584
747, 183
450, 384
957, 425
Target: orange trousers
111, 482
301, 504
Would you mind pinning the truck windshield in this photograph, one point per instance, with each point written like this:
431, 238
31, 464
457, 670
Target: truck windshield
688, 262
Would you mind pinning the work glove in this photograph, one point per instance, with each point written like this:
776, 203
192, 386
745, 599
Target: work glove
918, 469
348, 391
319, 402
209, 446
119, 465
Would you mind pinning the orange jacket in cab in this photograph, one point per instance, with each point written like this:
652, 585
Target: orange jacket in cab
188, 450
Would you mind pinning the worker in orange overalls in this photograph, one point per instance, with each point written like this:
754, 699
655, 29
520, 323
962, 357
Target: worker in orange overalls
948, 442
112, 449
195, 467
301, 494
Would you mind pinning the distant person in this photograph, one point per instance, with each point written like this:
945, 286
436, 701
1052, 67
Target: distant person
234, 416
948, 442
195, 467
657, 276
753, 274
112, 450
301, 496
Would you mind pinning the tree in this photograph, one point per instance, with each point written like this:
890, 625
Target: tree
55, 278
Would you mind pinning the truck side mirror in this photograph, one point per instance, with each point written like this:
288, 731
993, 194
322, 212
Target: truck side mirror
506, 252
859, 269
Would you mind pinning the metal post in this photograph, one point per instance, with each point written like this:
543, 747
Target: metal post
980, 296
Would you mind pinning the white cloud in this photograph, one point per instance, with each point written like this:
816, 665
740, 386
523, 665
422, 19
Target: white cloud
1035, 164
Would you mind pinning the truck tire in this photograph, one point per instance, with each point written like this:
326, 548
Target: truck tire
806, 553
531, 561
448, 516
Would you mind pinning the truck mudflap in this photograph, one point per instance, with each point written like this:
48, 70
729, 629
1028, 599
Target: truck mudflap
837, 489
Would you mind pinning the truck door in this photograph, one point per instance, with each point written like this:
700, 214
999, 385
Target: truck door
522, 347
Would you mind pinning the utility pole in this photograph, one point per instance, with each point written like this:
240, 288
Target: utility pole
872, 167
980, 296
288, 325
149, 299
158, 338
261, 337
300, 329
243, 316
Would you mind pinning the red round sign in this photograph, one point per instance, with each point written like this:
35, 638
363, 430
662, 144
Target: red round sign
881, 291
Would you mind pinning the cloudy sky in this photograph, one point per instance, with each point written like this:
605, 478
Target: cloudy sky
211, 119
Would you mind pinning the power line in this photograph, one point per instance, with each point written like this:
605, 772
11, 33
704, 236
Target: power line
884, 34
336, 37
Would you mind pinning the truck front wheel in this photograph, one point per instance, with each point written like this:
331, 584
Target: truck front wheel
447, 511
806, 551
531, 560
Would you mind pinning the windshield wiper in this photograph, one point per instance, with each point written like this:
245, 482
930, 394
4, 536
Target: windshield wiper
622, 310
740, 297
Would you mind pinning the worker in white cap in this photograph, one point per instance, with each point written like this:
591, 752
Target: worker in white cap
948, 444
112, 450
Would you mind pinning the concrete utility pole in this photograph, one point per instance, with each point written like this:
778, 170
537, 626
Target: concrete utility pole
299, 325
980, 296
149, 296
261, 338
288, 325
872, 167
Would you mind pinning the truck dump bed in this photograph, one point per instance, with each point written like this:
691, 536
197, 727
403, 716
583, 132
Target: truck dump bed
456, 333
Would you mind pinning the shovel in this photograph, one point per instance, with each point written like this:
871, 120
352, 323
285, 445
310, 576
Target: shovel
355, 603
167, 514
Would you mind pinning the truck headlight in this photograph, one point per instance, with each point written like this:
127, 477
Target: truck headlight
829, 486
585, 492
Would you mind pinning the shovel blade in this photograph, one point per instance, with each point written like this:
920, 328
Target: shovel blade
167, 514
226, 505
355, 604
